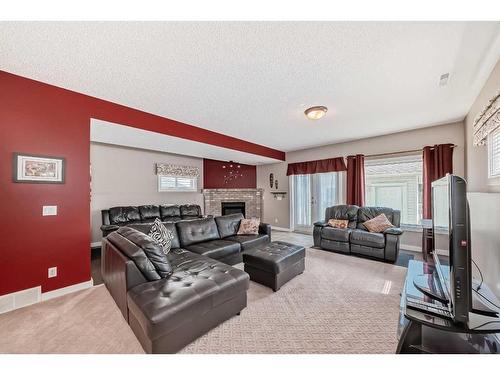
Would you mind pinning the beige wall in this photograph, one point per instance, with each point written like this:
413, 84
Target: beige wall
124, 176
484, 197
277, 213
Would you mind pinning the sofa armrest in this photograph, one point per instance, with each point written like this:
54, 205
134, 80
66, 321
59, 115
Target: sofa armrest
107, 229
394, 230
321, 223
265, 228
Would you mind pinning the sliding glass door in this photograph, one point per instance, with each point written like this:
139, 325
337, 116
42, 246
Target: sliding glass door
312, 194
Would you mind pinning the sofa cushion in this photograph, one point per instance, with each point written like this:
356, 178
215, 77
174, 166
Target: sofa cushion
197, 285
146, 227
190, 210
365, 238
123, 215
194, 231
149, 213
228, 224
168, 211
215, 249
336, 234
147, 255
249, 241
368, 213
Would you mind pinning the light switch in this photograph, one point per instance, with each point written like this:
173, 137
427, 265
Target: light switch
49, 211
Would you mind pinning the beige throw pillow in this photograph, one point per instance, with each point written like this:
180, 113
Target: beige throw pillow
378, 224
249, 226
337, 223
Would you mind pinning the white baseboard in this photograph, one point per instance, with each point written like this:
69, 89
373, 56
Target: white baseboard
95, 244
67, 289
280, 229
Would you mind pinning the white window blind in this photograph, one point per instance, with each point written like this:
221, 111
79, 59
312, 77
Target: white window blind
396, 182
494, 154
177, 183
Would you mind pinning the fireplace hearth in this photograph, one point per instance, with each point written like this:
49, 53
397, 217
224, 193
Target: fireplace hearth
215, 198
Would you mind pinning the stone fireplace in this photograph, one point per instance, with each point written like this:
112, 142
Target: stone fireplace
248, 201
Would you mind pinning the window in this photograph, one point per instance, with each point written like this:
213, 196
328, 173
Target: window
494, 154
396, 182
177, 183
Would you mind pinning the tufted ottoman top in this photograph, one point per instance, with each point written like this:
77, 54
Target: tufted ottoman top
274, 257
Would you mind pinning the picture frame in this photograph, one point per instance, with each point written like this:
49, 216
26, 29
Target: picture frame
38, 169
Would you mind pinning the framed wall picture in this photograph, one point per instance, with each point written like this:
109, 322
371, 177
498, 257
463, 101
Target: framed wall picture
37, 169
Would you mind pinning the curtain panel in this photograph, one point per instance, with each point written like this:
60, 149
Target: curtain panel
356, 180
317, 166
437, 162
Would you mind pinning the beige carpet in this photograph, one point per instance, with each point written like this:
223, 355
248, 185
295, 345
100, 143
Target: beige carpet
340, 304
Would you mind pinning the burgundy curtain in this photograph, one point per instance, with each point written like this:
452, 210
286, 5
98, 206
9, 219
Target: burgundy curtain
438, 161
316, 166
356, 180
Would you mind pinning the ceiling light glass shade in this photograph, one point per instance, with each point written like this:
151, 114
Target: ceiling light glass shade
315, 113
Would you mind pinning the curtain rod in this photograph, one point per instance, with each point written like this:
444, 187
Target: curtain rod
399, 152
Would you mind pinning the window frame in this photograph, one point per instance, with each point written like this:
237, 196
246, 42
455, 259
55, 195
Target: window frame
493, 176
404, 185
177, 189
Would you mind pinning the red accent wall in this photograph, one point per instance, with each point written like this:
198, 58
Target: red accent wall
38, 118
213, 176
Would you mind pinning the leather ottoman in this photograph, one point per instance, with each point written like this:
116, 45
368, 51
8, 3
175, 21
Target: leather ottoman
275, 263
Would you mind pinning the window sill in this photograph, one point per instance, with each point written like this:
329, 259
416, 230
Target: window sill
494, 181
418, 229
178, 191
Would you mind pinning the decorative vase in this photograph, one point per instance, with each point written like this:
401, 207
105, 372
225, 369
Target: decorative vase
271, 180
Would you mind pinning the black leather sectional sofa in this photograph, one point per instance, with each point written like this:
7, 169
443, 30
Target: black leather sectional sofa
203, 291
355, 239
116, 217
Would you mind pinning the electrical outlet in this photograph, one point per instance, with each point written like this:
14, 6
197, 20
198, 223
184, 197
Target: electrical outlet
49, 211
52, 272
275, 219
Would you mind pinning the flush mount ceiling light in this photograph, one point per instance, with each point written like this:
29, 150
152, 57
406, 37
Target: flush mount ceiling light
315, 113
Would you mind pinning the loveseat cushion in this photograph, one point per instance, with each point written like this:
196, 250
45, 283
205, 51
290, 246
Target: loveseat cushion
169, 211
249, 241
228, 224
215, 249
336, 234
194, 231
149, 213
197, 285
365, 238
343, 212
124, 215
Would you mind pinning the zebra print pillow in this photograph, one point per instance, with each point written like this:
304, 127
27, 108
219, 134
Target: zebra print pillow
161, 235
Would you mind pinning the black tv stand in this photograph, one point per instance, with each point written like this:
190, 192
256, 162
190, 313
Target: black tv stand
424, 332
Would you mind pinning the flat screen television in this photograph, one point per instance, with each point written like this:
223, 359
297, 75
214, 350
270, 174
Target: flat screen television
452, 254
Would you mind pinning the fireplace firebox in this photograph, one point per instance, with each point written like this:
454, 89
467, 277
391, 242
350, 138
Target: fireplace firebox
233, 208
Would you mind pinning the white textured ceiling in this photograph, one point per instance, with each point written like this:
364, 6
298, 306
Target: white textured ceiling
253, 80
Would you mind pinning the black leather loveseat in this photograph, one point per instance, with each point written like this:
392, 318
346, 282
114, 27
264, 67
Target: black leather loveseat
355, 239
116, 217
168, 313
